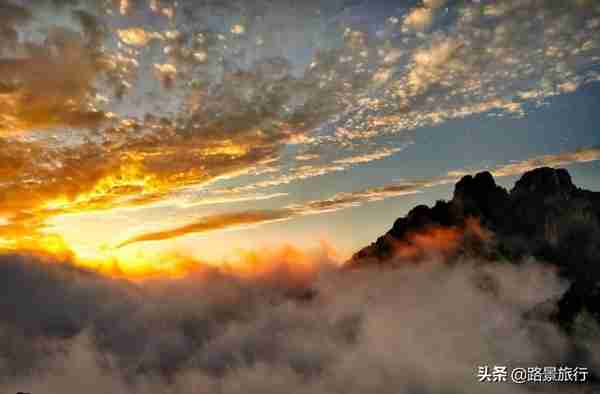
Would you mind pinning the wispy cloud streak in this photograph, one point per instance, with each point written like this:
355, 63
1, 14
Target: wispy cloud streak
348, 200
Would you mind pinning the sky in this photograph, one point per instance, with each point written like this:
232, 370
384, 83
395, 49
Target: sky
138, 128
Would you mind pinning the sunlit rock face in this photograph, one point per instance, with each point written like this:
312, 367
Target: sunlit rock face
477, 207
545, 216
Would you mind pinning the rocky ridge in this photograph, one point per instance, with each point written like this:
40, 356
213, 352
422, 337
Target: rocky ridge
544, 216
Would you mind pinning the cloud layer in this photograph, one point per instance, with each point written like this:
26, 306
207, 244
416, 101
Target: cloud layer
283, 327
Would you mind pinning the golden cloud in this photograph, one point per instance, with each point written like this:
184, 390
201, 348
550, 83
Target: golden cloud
136, 36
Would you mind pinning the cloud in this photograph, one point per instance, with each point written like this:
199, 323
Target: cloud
93, 117
240, 219
557, 160
297, 174
346, 200
307, 171
419, 18
49, 82
194, 202
369, 157
475, 60
136, 36
136, 167
115, 160
433, 4
353, 199
88, 123
35, 101
582, 155
419, 329
12, 15
211, 223
108, 185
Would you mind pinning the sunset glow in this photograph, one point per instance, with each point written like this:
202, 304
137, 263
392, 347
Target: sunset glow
299, 196
131, 129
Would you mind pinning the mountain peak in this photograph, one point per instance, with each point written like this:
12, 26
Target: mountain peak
545, 216
482, 182
480, 196
544, 181
542, 200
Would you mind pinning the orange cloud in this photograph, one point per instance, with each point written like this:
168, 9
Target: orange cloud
137, 36
212, 223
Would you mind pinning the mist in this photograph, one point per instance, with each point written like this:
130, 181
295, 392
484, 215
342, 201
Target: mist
420, 328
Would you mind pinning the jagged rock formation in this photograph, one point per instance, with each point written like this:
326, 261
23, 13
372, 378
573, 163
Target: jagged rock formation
545, 216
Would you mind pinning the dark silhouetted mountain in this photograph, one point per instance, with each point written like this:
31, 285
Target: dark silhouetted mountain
544, 216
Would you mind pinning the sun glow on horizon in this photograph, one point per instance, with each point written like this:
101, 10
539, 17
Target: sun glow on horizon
139, 263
